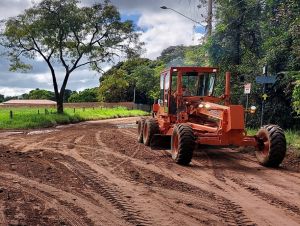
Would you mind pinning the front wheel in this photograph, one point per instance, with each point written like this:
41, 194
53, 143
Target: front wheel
182, 144
271, 147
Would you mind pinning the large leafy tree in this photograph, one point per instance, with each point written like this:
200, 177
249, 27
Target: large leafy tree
87, 95
65, 34
114, 87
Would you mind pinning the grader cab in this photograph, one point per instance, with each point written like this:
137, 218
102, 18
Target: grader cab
190, 114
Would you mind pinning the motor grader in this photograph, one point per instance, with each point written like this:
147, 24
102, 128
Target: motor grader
189, 114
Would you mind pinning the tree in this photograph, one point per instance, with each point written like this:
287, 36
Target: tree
172, 53
1, 98
140, 76
87, 95
114, 87
41, 94
196, 56
64, 33
296, 93
67, 95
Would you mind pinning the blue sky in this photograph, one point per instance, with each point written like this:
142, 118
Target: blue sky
159, 29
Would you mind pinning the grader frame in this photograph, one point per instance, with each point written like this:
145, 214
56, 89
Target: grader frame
201, 118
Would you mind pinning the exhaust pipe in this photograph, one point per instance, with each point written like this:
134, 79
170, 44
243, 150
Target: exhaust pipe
227, 89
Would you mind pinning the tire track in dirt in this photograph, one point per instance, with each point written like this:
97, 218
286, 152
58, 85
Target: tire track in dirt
221, 176
251, 161
73, 201
64, 212
269, 198
215, 165
110, 193
113, 196
231, 212
225, 166
2, 215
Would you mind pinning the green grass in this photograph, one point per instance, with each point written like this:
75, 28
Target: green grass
27, 118
292, 138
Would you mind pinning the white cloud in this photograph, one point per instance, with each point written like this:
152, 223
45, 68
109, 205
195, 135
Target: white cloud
43, 78
164, 30
9, 8
13, 91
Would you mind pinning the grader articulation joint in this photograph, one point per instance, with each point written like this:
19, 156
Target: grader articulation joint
188, 112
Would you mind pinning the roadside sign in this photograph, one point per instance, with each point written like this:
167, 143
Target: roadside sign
265, 79
247, 88
265, 96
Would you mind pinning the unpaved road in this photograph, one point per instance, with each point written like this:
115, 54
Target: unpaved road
95, 173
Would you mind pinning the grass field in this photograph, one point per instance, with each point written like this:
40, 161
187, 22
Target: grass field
28, 118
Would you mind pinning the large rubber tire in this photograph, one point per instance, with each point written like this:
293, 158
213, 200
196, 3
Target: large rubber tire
140, 130
149, 129
271, 147
182, 144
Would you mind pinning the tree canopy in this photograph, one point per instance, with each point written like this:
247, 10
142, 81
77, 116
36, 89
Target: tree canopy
63, 33
38, 94
137, 76
250, 34
87, 95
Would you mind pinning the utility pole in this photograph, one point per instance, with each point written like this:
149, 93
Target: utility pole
209, 18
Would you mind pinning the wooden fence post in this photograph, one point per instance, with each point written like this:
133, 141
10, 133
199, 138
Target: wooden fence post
11, 114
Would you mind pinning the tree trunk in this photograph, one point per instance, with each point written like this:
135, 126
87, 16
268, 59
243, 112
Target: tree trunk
60, 105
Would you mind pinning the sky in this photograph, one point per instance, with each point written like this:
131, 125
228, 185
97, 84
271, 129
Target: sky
160, 29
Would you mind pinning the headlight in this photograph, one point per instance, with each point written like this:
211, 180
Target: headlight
207, 106
200, 105
252, 109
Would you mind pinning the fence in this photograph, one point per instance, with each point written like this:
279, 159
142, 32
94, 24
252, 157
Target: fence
49, 109
129, 105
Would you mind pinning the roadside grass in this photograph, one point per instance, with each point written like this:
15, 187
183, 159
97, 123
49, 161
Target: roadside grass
29, 118
292, 138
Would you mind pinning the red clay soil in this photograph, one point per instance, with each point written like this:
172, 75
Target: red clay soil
96, 173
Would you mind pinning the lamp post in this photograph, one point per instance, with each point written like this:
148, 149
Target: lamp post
197, 22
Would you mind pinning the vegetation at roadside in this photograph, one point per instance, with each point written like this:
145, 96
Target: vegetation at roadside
27, 118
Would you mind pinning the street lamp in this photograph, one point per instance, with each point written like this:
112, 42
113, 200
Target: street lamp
165, 7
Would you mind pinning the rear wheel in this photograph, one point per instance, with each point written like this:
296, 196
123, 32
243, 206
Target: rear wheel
140, 130
271, 147
149, 129
182, 144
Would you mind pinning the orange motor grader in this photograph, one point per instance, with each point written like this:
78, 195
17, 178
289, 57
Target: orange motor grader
188, 112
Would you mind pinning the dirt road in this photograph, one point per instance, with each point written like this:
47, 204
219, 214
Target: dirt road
95, 173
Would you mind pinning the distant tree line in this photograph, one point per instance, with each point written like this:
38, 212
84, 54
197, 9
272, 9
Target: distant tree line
87, 95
